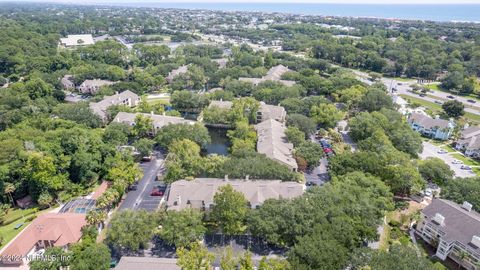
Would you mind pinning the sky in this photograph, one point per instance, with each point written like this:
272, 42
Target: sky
266, 1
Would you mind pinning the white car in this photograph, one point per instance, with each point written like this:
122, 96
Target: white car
441, 151
465, 167
456, 161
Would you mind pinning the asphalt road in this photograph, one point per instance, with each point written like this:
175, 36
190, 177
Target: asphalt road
404, 87
140, 198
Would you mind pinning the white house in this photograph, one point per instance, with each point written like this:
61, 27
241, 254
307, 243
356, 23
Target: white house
434, 128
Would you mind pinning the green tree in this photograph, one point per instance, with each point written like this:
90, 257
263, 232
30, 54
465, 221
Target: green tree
303, 123
229, 210
453, 108
375, 99
37, 88
131, 231
196, 133
194, 257
180, 228
311, 152
79, 112
144, 146
143, 126
183, 160
326, 115
435, 170
62, 260
94, 256
295, 136
246, 262
228, 260
460, 190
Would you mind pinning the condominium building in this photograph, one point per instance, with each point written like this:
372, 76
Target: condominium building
454, 230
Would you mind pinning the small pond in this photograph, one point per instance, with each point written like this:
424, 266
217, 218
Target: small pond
220, 142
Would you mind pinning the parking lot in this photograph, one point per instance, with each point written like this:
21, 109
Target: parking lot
430, 150
140, 198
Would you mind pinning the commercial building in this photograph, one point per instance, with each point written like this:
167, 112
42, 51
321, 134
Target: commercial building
77, 40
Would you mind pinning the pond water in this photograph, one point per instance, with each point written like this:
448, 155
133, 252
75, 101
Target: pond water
220, 142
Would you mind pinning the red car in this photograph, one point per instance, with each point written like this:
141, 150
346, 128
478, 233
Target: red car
327, 150
156, 192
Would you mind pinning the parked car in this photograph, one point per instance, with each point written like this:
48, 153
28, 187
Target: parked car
471, 101
156, 192
327, 150
456, 161
147, 158
133, 187
438, 102
442, 151
451, 97
423, 95
465, 167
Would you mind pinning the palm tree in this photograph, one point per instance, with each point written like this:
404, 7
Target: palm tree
9, 188
96, 217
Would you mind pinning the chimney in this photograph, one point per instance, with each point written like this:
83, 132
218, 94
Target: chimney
467, 206
439, 219
437, 116
151, 113
476, 240
116, 92
226, 177
179, 200
163, 113
247, 177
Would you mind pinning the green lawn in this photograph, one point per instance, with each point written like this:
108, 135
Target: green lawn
466, 160
434, 87
15, 217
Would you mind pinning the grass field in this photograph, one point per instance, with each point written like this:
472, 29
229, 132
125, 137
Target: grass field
16, 216
437, 108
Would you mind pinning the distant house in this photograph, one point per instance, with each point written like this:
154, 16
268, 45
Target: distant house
67, 82
272, 141
274, 74
222, 62
265, 111
431, 127
469, 142
77, 40
47, 230
147, 263
199, 193
158, 121
454, 230
126, 98
176, 72
92, 86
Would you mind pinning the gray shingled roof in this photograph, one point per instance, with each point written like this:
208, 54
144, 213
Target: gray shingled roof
158, 120
268, 111
100, 108
272, 141
428, 122
459, 225
147, 263
200, 192
274, 74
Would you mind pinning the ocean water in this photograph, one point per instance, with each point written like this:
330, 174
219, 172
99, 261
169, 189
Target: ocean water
441, 12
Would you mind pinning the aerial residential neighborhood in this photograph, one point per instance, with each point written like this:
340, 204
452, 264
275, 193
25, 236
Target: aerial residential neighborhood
252, 136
